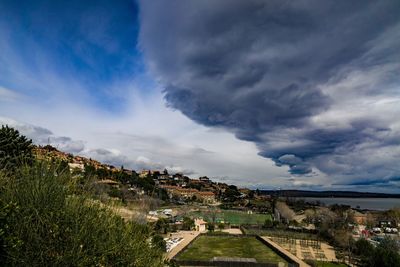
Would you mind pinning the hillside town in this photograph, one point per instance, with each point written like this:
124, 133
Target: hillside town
185, 215
180, 188
190, 207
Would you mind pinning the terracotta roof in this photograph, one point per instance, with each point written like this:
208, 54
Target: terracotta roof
199, 221
206, 193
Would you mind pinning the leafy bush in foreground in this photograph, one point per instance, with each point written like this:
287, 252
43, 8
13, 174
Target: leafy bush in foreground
14, 149
43, 223
386, 254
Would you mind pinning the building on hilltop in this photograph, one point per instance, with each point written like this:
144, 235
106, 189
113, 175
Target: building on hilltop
185, 193
360, 218
76, 166
200, 225
206, 196
144, 173
205, 179
188, 193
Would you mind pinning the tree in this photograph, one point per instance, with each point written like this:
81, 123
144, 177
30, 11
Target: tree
158, 242
371, 220
187, 223
15, 149
251, 194
285, 212
161, 226
386, 254
363, 249
213, 214
268, 224
231, 193
162, 194
394, 214
89, 170
344, 239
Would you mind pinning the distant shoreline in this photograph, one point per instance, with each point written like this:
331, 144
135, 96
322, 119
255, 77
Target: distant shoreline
327, 194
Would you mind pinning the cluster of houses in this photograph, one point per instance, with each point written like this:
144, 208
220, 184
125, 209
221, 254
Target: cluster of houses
49, 152
206, 197
181, 187
178, 186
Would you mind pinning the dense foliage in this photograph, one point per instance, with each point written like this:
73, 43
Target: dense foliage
15, 149
45, 220
384, 255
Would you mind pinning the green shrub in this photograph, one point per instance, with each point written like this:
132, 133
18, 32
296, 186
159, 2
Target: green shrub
187, 223
50, 224
15, 149
158, 242
115, 192
210, 227
268, 224
384, 255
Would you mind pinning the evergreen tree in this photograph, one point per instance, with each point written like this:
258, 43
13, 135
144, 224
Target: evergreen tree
15, 149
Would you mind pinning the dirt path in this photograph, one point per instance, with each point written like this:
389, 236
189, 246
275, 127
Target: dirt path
233, 231
287, 253
187, 236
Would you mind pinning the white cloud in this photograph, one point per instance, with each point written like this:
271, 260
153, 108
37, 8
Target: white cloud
148, 135
9, 95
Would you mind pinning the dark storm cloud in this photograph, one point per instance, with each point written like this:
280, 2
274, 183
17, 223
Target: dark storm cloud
376, 182
261, 68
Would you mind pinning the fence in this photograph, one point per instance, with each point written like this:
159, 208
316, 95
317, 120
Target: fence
220, 263
285, 233
291, 263
224, 263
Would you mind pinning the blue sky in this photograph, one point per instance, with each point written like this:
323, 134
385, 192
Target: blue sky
295, 95
93, 43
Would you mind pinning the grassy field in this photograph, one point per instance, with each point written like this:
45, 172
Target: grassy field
207, 247
232, 216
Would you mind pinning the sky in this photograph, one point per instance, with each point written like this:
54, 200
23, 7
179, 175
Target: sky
262, 94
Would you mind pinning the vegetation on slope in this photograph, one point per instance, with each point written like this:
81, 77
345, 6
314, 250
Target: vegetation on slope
47, 219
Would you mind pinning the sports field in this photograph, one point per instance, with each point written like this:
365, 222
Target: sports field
232, 216
207, 247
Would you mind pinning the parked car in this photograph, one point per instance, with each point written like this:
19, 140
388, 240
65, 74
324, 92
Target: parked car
377, 230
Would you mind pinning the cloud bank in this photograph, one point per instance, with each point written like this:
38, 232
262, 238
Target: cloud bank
313, 84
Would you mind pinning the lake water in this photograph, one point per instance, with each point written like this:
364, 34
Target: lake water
363, 203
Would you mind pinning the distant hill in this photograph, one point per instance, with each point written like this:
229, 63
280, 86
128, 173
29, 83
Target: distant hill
327, 194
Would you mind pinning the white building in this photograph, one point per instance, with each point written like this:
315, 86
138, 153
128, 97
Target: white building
200, 225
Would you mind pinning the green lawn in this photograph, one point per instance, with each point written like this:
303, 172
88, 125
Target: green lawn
232, 216
207, 247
